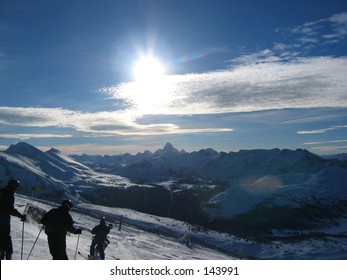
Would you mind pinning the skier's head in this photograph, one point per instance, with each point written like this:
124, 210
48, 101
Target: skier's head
102, 221
67, 204
13, 185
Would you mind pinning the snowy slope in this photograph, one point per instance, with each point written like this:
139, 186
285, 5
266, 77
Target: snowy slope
52, 174
131, 243
149, 237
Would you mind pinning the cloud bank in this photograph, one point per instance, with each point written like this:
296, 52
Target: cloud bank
101, 124
302, 83
267, 83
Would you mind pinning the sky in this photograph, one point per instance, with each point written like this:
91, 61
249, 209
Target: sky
111, 76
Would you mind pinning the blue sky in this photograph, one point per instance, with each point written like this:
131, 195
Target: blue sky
237, 75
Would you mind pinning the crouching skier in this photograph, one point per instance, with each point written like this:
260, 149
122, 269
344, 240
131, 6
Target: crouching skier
58, 222
100, 240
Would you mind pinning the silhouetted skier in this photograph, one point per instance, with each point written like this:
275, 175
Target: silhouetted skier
100, 240
7, 210
58, 222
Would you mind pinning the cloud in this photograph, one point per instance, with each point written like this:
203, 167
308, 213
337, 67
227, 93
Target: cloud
30, 116
321, 131
325, 142
58, 117
324, 31
99, 124
329, 149
26, 136
339, 27
315, 131
266, 83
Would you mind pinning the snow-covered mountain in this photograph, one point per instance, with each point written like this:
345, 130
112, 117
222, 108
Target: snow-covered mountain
253, 192
227, 189
51, 174
207, 164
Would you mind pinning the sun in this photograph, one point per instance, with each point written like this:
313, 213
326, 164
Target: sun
151, 91
148, 68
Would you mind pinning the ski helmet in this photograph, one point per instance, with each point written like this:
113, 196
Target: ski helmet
13, 185
67, 203
102, 220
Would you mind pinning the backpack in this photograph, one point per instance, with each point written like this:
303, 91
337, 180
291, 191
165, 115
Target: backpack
53, 222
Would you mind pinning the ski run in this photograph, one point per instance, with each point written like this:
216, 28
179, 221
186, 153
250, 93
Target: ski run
148, 237
140, 237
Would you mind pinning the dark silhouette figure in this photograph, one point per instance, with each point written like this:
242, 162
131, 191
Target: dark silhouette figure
7, 210
58, 222
100, 240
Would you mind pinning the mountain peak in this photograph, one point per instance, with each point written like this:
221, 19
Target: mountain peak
208, 152
53, 151
168, 149
23, 148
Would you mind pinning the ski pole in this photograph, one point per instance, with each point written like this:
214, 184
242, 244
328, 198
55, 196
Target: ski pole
21, 250
78, 240
32, 248
120, 223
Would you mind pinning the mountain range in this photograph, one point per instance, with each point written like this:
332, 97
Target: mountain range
246, 192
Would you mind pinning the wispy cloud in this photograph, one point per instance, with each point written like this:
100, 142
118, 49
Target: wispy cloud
322, 130
26, 136
99, 124
339, 27
325, 142
324, 31
329, 149
315, 131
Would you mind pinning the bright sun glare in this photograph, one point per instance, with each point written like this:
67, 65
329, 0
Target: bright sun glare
151, 92
148, 68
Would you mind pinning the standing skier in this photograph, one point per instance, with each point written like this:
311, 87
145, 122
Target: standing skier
58, 222
7, 210
100, 238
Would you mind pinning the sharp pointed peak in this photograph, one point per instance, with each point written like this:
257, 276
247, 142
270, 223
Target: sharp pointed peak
168, 149
168, 146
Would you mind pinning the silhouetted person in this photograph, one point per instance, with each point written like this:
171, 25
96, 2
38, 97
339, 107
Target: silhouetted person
7, 210
100, 238
58, 222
